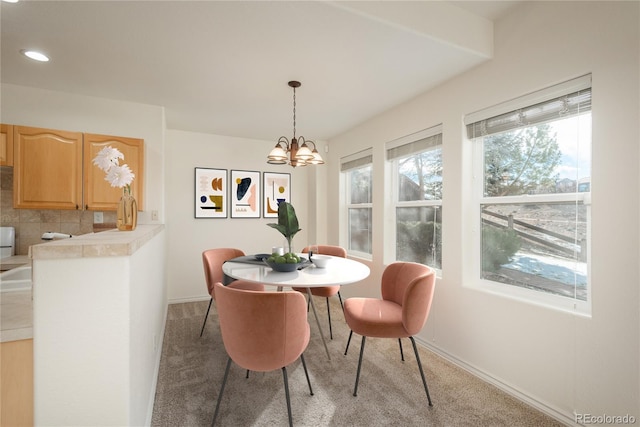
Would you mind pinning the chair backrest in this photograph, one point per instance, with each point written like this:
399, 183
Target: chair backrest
329, 250
262, 331
212, 259
410, 285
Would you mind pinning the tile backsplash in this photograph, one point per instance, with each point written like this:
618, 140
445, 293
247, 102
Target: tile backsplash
31, 223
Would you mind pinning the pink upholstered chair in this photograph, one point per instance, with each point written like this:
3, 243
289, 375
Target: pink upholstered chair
212, 259
326, 291
407, 293
262, 331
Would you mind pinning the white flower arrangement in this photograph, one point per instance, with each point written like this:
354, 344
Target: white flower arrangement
117, 175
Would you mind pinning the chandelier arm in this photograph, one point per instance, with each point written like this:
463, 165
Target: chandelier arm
308, 141
285, 141
303, 141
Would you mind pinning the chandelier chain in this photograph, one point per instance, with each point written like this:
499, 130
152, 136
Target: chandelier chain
294, 113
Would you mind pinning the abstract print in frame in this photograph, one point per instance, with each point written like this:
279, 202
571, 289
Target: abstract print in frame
277, 188
210, 193
245, 194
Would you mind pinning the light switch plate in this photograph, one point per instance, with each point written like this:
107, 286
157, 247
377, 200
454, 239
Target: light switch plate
98, 218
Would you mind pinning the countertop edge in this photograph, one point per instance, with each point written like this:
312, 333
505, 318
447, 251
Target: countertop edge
110, 243
18, 334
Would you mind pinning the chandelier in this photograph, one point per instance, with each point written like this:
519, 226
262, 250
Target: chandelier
297, 152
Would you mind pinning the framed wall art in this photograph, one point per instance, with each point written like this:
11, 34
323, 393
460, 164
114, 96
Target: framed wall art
245, 194
277, 188
210, 193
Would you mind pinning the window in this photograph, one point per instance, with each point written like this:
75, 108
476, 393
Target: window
356, 171
416, 171
533, 195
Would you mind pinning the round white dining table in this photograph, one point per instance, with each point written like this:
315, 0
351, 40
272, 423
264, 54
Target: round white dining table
339, 271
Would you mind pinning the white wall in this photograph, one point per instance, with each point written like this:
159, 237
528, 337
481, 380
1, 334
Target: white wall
187, 236
97, 328
147, 317
64, 111
81, 341
559, 361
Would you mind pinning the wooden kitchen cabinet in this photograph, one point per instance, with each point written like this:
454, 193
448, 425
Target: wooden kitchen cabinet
99, 195
54, 169
6, 145
16, 383
47, 169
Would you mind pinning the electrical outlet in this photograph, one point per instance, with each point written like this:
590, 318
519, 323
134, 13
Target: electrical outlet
154, 215
98, 218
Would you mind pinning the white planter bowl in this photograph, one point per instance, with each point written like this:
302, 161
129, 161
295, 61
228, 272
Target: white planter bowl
320, 261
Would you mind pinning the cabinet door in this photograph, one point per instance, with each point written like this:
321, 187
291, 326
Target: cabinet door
47, 168
99, 195
6, 145
16, 383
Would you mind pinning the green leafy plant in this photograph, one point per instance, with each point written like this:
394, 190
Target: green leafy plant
498, 246
287, 222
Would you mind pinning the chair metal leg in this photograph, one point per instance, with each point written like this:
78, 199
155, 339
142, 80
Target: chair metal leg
306, 373
329, 316
424, 381
348, 341
355, 389
341, 305
224, 382
286, 392
286, 389
205, 316
401, 352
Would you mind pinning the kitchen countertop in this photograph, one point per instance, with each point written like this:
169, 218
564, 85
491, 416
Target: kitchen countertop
14, 262
16, 316
16, 308
104, 244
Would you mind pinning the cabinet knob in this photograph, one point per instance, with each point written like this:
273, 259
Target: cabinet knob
76, 206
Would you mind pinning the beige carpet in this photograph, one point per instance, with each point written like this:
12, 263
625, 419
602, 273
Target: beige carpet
390, 391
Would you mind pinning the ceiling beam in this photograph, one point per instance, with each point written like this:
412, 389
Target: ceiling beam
437, 20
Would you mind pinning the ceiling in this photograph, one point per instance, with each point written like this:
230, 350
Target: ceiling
222, 67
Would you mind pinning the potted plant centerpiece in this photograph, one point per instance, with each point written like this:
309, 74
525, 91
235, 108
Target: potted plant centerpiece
287, 226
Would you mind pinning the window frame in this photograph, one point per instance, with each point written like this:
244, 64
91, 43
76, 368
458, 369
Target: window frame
549, 300
394, 202
361, 160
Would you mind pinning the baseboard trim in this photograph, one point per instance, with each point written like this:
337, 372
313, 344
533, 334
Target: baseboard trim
154, 384
188, 299
560, 416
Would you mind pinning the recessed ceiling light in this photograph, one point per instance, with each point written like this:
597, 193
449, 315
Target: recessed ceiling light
10, 1
37, 56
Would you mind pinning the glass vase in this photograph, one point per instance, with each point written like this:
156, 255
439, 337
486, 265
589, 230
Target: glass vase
127, 215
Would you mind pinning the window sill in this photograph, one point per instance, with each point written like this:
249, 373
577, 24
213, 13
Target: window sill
536, 298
